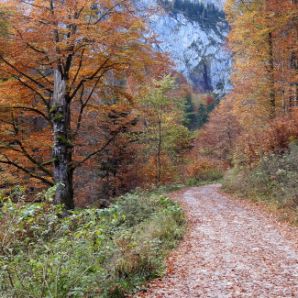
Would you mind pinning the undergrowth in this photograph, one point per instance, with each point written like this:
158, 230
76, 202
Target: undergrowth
273, 181
90, 253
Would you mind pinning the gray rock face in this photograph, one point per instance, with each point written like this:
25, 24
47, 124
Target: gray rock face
193, 32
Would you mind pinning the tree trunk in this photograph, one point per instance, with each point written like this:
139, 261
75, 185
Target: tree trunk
271, 75
62, 149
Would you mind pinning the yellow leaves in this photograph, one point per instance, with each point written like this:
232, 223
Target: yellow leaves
263, 36
251, 77
137, 25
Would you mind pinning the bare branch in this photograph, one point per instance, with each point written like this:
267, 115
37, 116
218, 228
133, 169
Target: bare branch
114, 134
108, 12
89, 156
79, 68
23, 74
26, 154
89, 78
32, 110
85, 103
16, 165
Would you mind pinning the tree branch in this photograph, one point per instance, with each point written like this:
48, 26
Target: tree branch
25, 75
32, 110
108, 12
106, 144
26, 154
84, 104
11, 163
33, 90
79, 68
89, 78
80, 163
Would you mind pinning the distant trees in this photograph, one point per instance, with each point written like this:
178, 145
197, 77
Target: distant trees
190, 119
196, 115
206, 14
263, 40
61, 64
258, 115
217, 138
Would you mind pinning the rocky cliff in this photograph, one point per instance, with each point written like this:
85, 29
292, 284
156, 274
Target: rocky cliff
193, 32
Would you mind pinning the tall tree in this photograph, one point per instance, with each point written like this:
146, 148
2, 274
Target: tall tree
218, 136
253, 93
164, 134
61, 61
263, 40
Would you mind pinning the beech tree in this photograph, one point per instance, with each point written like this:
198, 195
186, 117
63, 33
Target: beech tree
263, 40
61, 62
217, 138
251, 76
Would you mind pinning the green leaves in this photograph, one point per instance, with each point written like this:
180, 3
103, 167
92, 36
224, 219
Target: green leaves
92, 252
164, 136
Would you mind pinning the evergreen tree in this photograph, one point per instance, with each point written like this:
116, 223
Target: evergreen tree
190, 120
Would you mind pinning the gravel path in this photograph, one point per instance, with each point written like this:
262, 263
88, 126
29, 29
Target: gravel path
232, 249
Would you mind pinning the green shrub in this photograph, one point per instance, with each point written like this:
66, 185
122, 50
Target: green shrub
90, 253
274, 178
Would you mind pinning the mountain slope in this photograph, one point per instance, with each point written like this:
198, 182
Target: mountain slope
193, 33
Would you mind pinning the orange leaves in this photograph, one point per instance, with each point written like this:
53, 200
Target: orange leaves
101, 50
263, 39
280, 132
250, 76
275, 137
217, 137
205, 168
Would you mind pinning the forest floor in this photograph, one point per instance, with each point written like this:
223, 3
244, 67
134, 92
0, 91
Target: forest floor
231, 249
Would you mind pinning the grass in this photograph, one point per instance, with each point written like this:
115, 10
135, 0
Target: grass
272, 182
282, 212
92, 252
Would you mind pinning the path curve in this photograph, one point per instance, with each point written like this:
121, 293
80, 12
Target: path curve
231, 249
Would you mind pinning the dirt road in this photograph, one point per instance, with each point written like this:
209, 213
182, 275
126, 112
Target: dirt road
232, 249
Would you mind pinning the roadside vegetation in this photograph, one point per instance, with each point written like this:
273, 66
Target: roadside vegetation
253, 131
91, 110
273, 181
89, 253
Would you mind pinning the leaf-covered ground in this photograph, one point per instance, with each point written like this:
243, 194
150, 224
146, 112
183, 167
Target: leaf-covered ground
232, 249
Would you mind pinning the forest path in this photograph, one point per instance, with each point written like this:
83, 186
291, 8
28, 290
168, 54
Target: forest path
231, 249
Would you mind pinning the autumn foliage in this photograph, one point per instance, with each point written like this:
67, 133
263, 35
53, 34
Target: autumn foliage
85, 98
70, 72
259, 115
